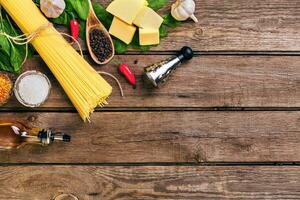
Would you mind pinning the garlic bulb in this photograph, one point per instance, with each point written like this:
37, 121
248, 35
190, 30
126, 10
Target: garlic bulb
52, 8
184, 9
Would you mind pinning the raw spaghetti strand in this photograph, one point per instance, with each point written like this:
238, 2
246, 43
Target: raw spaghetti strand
84, 86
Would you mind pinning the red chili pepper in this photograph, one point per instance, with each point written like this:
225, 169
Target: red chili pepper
74, 25
128, 73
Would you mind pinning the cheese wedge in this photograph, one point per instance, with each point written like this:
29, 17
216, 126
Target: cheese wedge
122, 30
149, 36
126, 10
148, 18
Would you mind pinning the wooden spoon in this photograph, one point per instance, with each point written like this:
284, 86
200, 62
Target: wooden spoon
93, 23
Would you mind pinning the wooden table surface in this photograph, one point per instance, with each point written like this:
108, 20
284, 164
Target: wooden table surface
226, 125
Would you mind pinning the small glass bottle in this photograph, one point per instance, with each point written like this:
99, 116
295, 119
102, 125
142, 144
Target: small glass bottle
14, 134
158, 73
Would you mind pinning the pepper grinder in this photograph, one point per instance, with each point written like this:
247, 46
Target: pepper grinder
158, 73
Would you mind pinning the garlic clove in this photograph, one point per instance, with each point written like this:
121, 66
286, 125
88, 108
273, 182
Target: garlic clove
52, 8
176, 15
181, 10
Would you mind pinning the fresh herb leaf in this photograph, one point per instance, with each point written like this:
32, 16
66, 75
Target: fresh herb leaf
104, 16
5, 62
80, 6
157, 4
120, 47
163, 31
82, 32
16, 58
63, 19
11, 54
4, 45
170, 21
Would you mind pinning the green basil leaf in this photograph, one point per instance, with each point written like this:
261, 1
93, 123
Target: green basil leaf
81, 7
157, 4
5, 63
82, 29
120, 47
104, 16
163, 31
4, 45
16, 58
170, 21
63, 19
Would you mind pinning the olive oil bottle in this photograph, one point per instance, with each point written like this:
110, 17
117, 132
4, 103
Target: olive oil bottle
14, 134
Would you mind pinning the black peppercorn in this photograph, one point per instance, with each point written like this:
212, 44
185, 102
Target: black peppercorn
100, 45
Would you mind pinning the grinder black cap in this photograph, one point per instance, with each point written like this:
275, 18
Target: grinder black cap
186, 53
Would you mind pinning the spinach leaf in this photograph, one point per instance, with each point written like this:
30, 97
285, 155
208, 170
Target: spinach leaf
120, 47
170, 21
4, 45
82, 32
16, 58
11, 55
5, 62
80, 6
157, 4
104, 16
63, 19
163, 31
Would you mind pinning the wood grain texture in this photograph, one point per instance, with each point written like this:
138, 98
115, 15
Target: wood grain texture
145, 183
205, 81
130, 137
237, 25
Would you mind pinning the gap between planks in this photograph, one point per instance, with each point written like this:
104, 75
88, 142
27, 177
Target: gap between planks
160, 164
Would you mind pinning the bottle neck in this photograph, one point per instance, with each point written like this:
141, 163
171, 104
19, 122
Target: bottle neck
36, 135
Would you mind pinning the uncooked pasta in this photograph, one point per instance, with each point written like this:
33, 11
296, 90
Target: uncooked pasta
84, 86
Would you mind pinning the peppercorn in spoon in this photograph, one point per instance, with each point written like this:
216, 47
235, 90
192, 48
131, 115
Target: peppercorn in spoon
98, 40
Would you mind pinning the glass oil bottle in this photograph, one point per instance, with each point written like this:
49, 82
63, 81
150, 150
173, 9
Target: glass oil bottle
14, 134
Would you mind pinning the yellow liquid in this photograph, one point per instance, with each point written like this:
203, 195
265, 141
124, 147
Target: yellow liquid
10, 135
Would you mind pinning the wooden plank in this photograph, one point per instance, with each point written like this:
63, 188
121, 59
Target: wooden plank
237, 25
91, 182
206, 81
121, 137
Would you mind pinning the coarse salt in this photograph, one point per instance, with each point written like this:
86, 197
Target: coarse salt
33, 89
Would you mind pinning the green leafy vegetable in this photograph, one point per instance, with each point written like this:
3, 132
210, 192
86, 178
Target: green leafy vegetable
63, 19
163, 31
82, 25
157, 4
104, 16
81, 7
4, 45
120, 47
170, 21
11, 54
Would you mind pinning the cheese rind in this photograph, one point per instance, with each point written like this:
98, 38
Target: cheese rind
125, 10
148, 36
148, 18
122, 30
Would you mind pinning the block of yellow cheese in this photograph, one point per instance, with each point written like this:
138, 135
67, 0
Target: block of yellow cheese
126, 10
149, 36
148, 18
122, 30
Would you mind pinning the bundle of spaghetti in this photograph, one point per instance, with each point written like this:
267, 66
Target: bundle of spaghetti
84, 86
